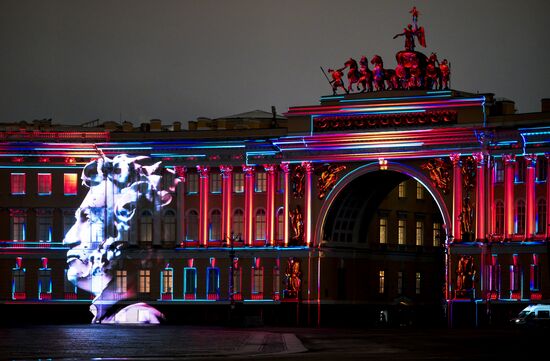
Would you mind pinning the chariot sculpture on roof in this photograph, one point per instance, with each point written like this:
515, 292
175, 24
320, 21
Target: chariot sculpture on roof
414, 69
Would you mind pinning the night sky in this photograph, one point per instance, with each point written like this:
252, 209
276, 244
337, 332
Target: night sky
76, 61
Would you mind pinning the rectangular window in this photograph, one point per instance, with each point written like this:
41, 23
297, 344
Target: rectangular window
419, 233
18, 283
261, 182
281, 182
44, 228
514, 278
401, 231
520, 170
534, 282
70, 184
402, 190
399, 283
213, 282
436, 234
215, 183
190, 282
237, 280
417, 283
276, 284
69, 287
383, 230
18, 227
121, 281
257, 282
381, 281
419, 191
167, 280
192, 183
238, 182
499, 171
44, 283
18, 183
44, 184
144, 281
541, 169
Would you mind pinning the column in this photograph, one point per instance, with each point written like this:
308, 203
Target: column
509, 173
270, 206
286, 195
530, 204
248, 204
227, 193
308, 167
480, 195
203, 212
457, 195
180, 204
491, 191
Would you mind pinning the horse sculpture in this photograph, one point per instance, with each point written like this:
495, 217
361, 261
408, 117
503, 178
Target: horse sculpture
414, 68
384, 79
353, 73
366, 74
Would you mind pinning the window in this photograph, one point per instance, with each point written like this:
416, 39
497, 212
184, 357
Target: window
534, 281
383, 230
169, 227
417, 283
44, 183
18, 225
520, 170
419, 233
144, 281
146, 228
215, 183
260, 224
257, 282
215, 225
121, 281
514, 278
499, 218
542, 169
192, 225
280, 182
167, 280
44, 228
238, 222
69, 184
280, 230
494, 277
436, 234
520, 214
69, 288
238, 182
190, 282
381, 281
68, 220
168, 178
237, 280
419, 191
541, 216
44, 283
18, 283
399, 283
18, 185
213, 282
402, 190
499, 171
276, 283
401, 231
192, 183
261, 182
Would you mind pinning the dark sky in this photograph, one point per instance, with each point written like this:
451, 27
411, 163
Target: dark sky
134, 60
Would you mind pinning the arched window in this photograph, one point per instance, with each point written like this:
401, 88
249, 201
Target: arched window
215, 225
146, 228
169, 227
238, 223
520, 217
192, 225
541, 216
280, 230
499, 218
260, 224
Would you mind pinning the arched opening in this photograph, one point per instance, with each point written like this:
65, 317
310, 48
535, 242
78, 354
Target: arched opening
385, 234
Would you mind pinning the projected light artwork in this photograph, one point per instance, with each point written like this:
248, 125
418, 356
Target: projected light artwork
99, 236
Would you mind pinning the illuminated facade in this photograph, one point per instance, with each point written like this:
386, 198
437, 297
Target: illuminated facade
403, 202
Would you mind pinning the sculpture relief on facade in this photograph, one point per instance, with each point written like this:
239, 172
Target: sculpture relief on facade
328, 178
439, 173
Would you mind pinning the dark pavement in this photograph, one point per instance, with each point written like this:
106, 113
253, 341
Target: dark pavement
168, 342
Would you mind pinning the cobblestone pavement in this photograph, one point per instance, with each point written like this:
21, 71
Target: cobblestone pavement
110, 342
